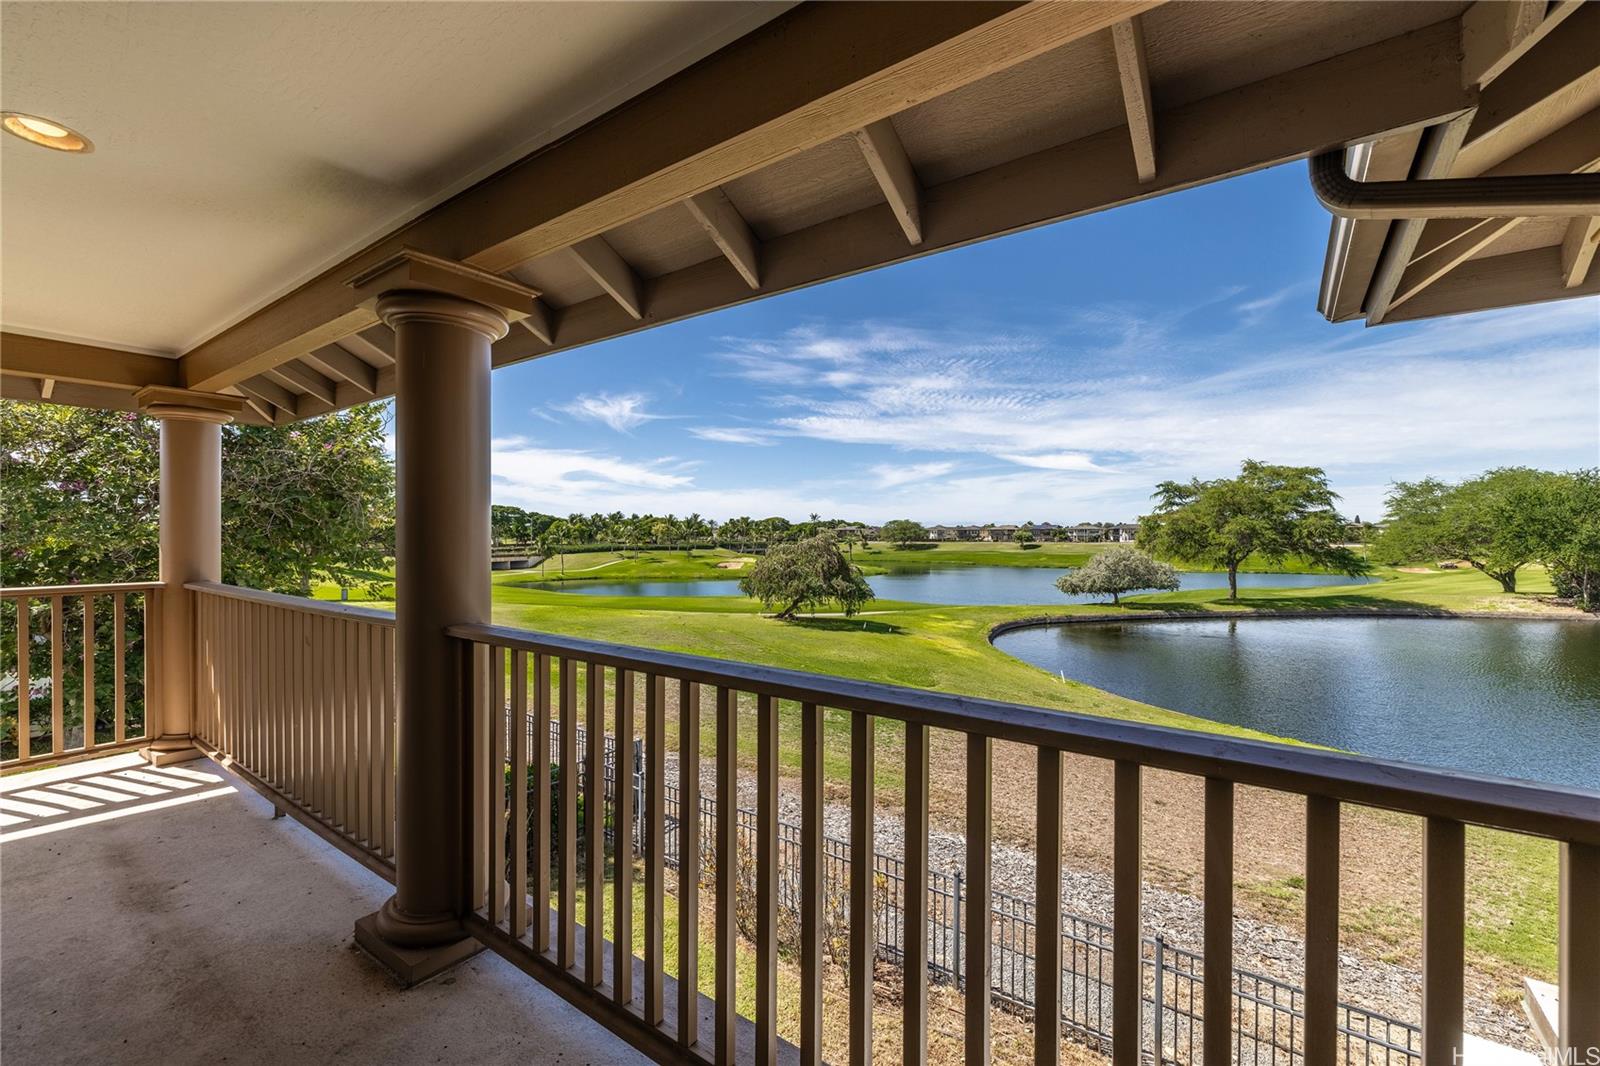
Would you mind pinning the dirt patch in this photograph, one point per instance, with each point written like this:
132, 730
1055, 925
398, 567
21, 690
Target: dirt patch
1415, 569
735, 564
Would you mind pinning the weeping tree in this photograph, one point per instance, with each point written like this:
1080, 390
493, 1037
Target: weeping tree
1268, 512
1117, 570
806, 574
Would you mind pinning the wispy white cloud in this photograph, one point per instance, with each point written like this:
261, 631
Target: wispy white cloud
622, 412
733, 435
1053, 461
889, 476
520, 464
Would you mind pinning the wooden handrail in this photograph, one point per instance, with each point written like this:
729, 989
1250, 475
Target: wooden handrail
15, 592
1501, 803
294, 603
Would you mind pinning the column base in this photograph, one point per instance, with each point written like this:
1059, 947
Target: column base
410, 966
164, 751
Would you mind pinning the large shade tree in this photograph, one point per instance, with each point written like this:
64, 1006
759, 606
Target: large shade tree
805, 575
903, 531
79, 491
1496, 523
1269, 512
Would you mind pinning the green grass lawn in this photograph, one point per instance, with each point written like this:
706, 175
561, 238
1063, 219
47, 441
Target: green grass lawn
947, 649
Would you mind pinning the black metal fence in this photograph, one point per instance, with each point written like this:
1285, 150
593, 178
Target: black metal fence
1268, 1020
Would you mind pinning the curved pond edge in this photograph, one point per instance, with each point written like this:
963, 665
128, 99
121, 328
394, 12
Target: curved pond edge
1042, 621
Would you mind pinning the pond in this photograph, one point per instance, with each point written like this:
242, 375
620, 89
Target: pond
1506, 697
962, 586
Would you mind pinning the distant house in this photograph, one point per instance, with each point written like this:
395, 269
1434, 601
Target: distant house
1000, 533
949, 533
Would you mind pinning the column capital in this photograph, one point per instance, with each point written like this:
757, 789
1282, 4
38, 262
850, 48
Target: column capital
400, 306
160, 401
418, 275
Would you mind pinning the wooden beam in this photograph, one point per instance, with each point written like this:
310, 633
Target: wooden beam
887, 159
1447, 243
1558, 71
1355, 245
298, 377
47, 388
336, 362
611, 272
1511, 280
1492, 36
779, 90
264, 388
83, 364
1134, 73
540, 322
374, 344
728, 231
1578, 248
1402, 83
1434, 159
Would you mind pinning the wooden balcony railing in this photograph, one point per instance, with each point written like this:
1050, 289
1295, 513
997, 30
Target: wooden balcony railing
563, 856
85, 655
299, 698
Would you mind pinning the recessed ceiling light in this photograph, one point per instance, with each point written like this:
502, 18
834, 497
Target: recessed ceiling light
43, 132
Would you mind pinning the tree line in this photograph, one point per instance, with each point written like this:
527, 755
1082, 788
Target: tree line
551, 533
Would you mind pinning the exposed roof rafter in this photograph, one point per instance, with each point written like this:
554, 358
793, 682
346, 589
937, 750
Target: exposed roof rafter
1134, 72
611, 272
729, 232
886, 158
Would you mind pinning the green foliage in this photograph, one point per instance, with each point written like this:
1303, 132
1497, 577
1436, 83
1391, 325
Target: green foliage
806, 574
1024, 537
1268, 511
309, 500
1497, 522
78, 495
1569, 536
903, 531
1120, 568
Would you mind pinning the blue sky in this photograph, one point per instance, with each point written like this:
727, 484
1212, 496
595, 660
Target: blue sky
1055, 375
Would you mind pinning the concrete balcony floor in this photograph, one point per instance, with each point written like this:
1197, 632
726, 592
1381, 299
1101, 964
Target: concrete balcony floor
163, 916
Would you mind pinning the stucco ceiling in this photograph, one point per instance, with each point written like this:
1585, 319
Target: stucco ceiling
241, 147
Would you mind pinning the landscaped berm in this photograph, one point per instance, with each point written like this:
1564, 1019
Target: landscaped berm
315, 748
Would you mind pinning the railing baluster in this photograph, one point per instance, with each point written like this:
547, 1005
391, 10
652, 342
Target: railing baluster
519, 793
688, 861
495, 779
24, 684
58, 722
980, 902
655, 846
811, 874
863, 932
1127, 981
727, 978
766, 881
622, 845
567, 871
914, 905
1443, 926
119, 622
1322, 932
541, 803
594, 817
1218, 959
354, 714
88, 673
1579, 954
1047, 898
387, 717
